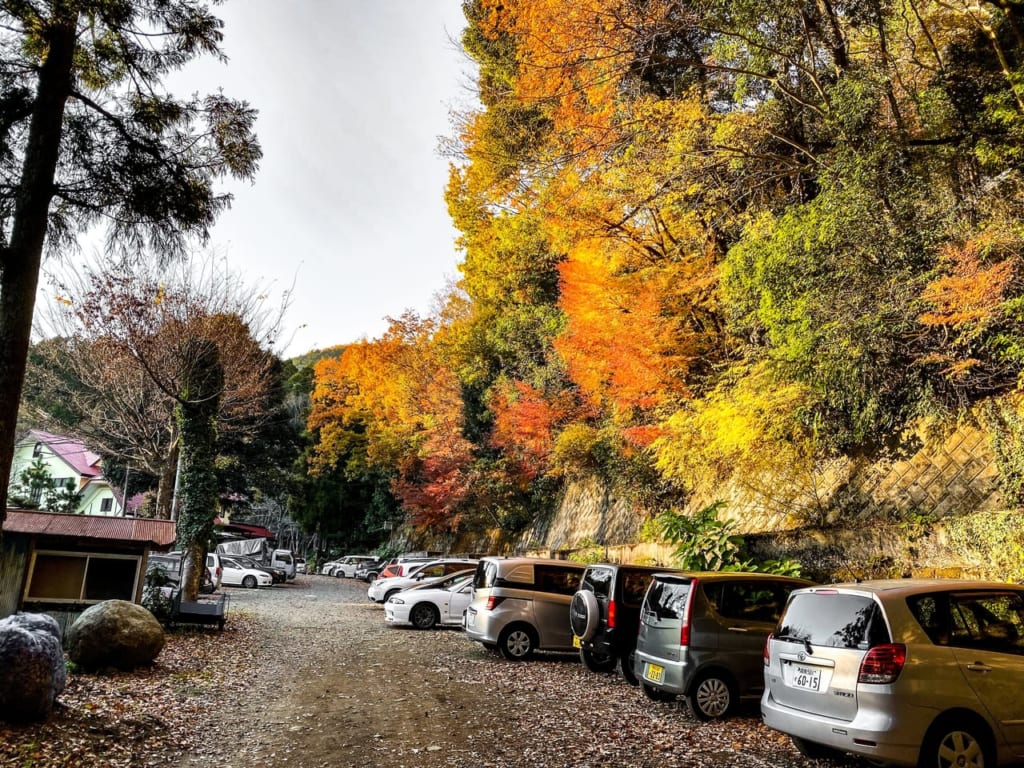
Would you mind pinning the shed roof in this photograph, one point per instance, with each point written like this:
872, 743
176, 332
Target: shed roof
159, 533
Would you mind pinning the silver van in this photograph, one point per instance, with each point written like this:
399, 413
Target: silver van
702, 636
521, 604
924, 672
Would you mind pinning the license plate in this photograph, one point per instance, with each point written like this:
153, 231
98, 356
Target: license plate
471, 619
801, 676
654, 672
576, 643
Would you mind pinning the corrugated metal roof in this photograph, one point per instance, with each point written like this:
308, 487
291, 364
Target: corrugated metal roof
158, 532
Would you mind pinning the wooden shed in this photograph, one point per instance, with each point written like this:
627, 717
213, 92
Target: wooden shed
62, 564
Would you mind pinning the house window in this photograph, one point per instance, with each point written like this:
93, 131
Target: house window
86, 577
106, 504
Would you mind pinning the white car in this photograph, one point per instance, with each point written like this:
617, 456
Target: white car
250, 578
427, 605
346, 567
381, 590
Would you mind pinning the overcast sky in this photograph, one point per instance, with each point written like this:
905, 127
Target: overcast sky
348, 204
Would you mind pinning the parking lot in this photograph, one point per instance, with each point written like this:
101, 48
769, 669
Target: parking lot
333, 685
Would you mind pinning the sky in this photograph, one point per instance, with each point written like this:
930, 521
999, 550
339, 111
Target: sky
348, 204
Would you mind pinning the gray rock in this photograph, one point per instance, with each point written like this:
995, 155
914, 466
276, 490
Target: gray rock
115, 633
32, 671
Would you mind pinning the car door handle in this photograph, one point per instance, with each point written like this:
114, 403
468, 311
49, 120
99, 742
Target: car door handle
979, 667
738, 629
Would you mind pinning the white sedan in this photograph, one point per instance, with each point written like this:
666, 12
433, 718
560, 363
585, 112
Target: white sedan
427, 605
236, 576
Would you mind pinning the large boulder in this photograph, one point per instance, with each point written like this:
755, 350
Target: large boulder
115, 633
32, 671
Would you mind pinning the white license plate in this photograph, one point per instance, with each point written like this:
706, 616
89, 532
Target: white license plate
803, 676
471, 619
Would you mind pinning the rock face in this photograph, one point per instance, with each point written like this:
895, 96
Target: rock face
115, 633
32, 671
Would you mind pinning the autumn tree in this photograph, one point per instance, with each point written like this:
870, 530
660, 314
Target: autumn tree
89, 135
114, 364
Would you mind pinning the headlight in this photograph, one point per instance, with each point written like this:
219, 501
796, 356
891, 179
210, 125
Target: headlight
397, 601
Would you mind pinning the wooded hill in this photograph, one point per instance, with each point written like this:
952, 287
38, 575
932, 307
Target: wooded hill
704, 240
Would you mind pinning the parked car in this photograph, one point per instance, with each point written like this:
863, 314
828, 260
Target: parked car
368, 571
382, 588
521, 604
346, 566
277, 574
702, 636
911, 672
300, 565
400, 566
238, 575
439, 601
170, 567
605, 615
213, 565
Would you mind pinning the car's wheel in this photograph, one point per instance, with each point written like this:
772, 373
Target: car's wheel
813, 750
597, 662
957, 743
584, 614
516, 642
424, 616
711, 696
626, 667
371, 576
656, 694
249, 582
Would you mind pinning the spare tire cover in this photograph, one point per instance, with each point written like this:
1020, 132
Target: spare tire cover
584, 613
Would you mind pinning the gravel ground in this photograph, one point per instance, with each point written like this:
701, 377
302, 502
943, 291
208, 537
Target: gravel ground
308, 674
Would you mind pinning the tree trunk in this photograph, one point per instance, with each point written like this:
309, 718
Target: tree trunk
197, 428
165, 486
22, 256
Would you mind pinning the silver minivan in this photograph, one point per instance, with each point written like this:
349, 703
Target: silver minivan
925, 672
702, 636
521, 604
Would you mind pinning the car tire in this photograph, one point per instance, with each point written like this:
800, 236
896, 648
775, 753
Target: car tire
712, 696
389, 594
584, 614
598, 662
813, 750
626, 667
424, 616
656, 694
249, 582
371, 577
960, 741
517, 642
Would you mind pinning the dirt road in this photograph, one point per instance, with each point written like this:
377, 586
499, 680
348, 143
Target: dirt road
334, 686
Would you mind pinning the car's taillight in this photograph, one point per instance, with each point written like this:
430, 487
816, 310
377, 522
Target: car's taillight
684, 630
611, 614
883, 663
493, 602
766, 644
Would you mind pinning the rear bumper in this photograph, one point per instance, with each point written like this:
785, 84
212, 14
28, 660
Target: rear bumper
676, 676
870, 734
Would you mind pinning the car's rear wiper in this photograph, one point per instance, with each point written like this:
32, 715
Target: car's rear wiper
794, 639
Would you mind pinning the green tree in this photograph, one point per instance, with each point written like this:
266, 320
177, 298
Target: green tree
88, 135
198, 404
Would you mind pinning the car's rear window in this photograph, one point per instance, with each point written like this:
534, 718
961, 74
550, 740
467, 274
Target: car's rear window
667, 599
834, 620
485, 574
598, 581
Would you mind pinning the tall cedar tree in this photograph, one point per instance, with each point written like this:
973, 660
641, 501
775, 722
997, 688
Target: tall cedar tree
87, 134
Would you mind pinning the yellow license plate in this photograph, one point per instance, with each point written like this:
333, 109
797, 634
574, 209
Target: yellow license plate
654, 673
576, 642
